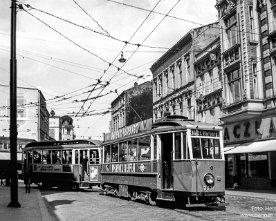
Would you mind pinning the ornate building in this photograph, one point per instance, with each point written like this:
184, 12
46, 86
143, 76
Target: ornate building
249, 91
67, 128
174, 75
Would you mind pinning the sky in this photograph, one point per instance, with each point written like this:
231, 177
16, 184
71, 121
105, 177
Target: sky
69, 49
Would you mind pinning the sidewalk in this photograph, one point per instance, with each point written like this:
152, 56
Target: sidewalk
253, 193
32, 207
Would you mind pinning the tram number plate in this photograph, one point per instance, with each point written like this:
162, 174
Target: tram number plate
208, 188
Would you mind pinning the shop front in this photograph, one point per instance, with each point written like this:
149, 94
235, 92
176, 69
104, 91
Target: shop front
250, 153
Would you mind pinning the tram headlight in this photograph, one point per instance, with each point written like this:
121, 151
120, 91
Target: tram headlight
209, 179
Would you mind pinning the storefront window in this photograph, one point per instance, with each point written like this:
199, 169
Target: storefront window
241, 165
257, 165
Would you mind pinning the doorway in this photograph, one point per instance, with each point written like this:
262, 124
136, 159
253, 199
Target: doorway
167, 160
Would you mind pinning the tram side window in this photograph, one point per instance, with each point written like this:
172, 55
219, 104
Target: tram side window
154, 147
94, 156
132, 147
107, 154
217, 154
177, 146
37, 156
56, 156
144, 148
114, 152
186, 154
46, 157
76, 157
67, 156
196, 148
123, 151
207, 148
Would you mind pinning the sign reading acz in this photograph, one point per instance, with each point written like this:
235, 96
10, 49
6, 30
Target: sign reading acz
251, 129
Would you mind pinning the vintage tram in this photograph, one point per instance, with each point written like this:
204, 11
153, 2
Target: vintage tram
68, 163
174, 159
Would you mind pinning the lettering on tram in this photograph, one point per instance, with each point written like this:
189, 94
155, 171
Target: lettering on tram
171, 160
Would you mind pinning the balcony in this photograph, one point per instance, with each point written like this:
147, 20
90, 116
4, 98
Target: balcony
242, 110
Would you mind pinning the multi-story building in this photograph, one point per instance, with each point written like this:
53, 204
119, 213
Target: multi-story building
208, 84
32, 113
249, 89
54, 126
132, 106
174, 76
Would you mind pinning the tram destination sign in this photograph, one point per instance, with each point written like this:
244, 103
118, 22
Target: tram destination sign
205, 133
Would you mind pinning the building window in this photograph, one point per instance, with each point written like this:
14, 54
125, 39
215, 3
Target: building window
253, 35
257, 165
179, 65
187, 69
234, 82
155, 87
231, 32
160, 89
181, 108
166, 81
255, 80
173, 77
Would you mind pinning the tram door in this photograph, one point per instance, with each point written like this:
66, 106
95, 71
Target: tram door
84, 165
167, 160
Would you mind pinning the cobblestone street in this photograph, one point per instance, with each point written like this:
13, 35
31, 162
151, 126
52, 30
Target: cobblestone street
90, 205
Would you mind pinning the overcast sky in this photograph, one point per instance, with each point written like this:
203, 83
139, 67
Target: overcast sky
62, 57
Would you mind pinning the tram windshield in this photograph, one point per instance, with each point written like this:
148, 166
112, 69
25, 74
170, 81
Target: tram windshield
206, 148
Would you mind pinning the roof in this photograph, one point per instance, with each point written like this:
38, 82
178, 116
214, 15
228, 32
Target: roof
62, 143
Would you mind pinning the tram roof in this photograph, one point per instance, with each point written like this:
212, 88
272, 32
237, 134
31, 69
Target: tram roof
62, 143
186, 124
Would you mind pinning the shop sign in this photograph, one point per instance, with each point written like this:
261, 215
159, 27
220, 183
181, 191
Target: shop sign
129, 130
251, 129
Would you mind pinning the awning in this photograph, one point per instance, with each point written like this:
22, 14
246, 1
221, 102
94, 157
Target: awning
253, 147
6, 156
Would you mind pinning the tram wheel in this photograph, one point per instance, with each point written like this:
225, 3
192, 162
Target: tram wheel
152, 198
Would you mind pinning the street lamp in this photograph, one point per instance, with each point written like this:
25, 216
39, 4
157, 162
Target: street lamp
122, 59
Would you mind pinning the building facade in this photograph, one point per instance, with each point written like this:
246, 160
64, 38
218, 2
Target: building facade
208, 84
249, 89
32, 114
54, 126
174, 76
132, 106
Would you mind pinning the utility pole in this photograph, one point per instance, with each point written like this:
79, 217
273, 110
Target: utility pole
13, 112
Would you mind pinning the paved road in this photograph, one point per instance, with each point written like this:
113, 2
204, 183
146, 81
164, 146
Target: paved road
90, 205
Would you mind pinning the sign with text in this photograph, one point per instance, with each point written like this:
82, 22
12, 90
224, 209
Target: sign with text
129, 130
